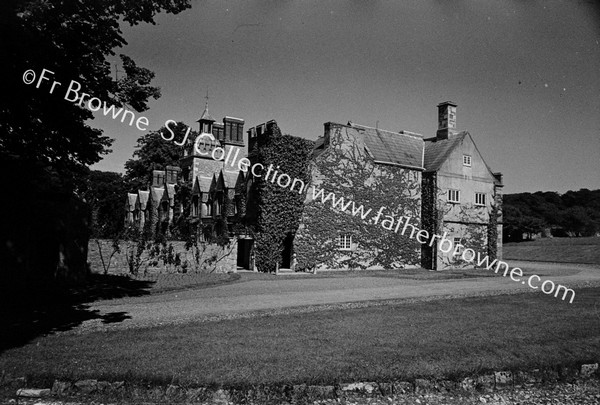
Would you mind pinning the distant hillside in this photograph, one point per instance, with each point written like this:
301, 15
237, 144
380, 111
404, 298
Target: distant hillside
574, 213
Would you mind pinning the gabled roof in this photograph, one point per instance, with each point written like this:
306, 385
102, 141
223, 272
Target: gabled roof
143, 198
206, 116
157, 193
393, 147
229, 178
131, 200
319, 146
438, 150
170, 193
202, 184
214, 183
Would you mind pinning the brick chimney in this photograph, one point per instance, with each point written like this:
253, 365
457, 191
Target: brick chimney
446, 119
158, 178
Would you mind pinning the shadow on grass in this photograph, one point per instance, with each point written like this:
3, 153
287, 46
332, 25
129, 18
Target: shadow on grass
30, 310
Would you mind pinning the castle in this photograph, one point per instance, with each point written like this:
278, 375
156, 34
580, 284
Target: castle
442, 182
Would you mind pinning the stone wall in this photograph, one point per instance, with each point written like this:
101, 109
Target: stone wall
207, 258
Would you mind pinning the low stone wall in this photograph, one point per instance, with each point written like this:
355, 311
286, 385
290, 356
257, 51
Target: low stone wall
209, 258
477, 384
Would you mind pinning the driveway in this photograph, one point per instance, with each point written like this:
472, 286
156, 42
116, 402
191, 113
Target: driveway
237, 299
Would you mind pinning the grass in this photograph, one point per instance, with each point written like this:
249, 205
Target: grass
562, 250
437, 338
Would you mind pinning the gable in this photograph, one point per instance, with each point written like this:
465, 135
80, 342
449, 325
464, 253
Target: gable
437, 151
452, 164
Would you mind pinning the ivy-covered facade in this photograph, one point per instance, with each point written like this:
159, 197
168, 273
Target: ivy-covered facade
360, 165
439, 184
364, 192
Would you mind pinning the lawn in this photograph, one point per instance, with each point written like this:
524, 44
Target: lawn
563, 250
446, 338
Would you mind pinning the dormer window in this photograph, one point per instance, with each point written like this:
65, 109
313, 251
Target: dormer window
467, 160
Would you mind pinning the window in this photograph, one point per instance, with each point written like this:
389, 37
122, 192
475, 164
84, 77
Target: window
457, 241
479, 198
466, 160
345, 241
453, 196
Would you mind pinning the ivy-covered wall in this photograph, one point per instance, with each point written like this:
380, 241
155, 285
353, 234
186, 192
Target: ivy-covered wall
273, 211
430, 218
473, 230
345, 169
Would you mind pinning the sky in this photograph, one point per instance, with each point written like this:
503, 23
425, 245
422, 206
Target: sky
525, 75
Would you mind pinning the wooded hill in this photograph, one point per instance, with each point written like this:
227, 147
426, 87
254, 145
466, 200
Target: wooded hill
574, 213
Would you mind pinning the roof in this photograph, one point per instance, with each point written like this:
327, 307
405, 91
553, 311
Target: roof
204, 183
438, 150
131, 199
158, 193
230, 178
393, 147
319, 146
206, 116
143, 198
170, 192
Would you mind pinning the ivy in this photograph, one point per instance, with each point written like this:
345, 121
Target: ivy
275, 211
492, 233
345, 169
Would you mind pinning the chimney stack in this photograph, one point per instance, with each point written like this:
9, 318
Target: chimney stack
446, 120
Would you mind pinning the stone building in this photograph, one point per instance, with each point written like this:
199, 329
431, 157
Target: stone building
440, 184
463, 193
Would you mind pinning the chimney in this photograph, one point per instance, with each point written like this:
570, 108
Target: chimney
172, 173
446, 120
233, 131
158, 178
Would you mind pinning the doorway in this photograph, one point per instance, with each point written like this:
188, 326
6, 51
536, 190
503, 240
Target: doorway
244, 252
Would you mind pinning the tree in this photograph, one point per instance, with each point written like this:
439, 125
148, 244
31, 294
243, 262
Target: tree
105, 192
154, 152
46, 141
72, 39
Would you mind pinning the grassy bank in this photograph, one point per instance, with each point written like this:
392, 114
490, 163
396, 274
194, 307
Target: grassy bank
561, 250
437, 338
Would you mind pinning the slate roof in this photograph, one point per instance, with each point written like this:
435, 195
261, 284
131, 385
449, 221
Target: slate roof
438, 150
171, 193
131, 200
203, 183
319, 146
393, 147
206, 116
158, 193
143, 198
230, 178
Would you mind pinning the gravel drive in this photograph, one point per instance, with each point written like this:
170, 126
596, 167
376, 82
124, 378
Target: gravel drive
260, 297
